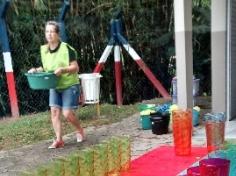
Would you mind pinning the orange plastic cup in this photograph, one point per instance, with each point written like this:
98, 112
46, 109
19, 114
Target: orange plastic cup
182, 131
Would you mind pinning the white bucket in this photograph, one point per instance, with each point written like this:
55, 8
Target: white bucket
91, 87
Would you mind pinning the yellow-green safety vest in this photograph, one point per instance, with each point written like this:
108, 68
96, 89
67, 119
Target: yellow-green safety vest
60, 58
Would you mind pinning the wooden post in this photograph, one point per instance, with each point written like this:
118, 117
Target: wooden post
98, 110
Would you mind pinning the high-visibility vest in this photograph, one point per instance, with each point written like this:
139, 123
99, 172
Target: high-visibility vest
60, 58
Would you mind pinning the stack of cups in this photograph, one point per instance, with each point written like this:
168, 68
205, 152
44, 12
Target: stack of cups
215, 130
113, 156
182, 131
86, 162
72, 165
57, 168
100, 159
125, 153
42, 170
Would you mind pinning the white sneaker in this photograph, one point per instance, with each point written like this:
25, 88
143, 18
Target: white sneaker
79, 137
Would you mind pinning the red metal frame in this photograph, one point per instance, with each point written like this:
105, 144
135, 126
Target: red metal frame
115, 41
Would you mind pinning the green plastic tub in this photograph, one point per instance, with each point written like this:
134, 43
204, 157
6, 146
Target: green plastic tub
143, 107
42, 80
145, 122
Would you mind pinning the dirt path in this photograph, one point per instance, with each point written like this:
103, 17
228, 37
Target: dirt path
14, 161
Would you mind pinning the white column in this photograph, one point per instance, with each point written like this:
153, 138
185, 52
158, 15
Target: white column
183, 47
218, 54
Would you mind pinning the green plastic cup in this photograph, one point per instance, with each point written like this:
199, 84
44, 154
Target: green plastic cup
100, 159
86, 162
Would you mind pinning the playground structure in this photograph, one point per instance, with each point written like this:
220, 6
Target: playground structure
8, 60
61, 19
117, 40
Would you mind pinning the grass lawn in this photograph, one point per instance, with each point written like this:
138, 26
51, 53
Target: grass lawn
36, 127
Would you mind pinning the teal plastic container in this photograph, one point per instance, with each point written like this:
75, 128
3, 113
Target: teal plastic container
195, 119
145, 122
42, 80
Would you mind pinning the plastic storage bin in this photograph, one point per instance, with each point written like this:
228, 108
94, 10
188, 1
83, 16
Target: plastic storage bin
195, 90
195, 117
160, 123
145, 122
42, 80
195, 86
143, 107
91, 87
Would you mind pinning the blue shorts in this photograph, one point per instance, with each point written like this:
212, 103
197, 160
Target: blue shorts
66, 98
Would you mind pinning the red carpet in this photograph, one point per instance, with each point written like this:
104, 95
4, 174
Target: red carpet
163, 162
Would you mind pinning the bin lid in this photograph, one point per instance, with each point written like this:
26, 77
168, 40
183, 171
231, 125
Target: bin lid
90, 75
154, 119
147, 112
161, 114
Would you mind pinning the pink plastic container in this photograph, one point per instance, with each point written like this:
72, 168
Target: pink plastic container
214, 167
193, 171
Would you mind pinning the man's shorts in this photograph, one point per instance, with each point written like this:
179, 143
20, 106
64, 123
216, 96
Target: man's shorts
66, 98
